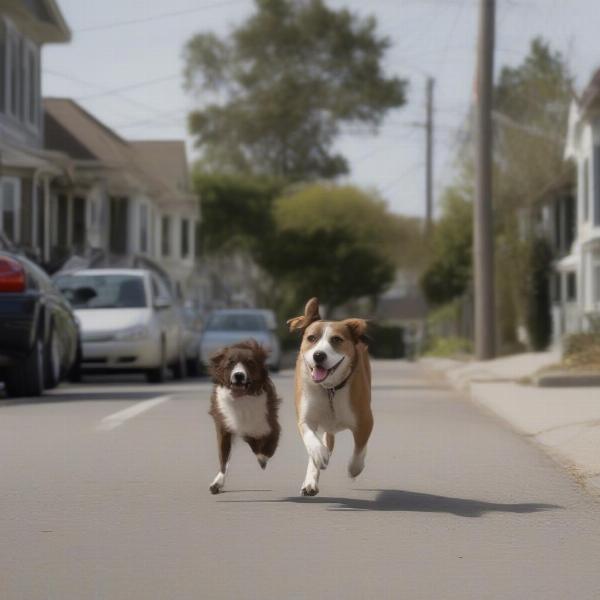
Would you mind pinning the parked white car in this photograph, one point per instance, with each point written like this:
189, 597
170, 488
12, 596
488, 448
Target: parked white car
128, 320
229, 326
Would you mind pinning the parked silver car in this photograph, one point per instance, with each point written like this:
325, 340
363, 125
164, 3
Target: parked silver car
128, 320
229, 326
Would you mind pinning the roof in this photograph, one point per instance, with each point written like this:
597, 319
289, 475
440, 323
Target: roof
81, 135
165, 159
590, 95
409, 308
41, 20
159, 167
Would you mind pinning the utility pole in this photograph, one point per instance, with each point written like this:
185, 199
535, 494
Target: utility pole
429, 157
483, 247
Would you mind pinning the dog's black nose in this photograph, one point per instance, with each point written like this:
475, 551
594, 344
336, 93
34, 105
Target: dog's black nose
319, 357
239, 377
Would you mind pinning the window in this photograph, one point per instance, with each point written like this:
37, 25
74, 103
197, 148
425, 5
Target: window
571, 287
596, 281
556, 288
143, 228
10, 208
103, 291
586, 189
119, 225
185, 238
31, 89
79, 227
570, 221
62, 220
198, 241
557, 226
596, 213
165, 236
19, 75
14, 73
3, 85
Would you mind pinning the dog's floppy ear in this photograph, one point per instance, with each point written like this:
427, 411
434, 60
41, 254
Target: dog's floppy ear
311, 314
259, 351
358, 329
215, 361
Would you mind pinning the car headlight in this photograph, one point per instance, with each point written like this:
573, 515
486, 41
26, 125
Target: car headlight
132, 334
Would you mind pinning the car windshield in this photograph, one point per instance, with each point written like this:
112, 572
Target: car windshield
236, 322
103, 291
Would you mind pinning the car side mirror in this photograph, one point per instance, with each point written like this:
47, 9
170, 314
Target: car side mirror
161, 303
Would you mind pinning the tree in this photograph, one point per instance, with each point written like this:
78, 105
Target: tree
283, 84
236, 211
332, 242
449, 273
531, 104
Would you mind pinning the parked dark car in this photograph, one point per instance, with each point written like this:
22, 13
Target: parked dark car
39, 334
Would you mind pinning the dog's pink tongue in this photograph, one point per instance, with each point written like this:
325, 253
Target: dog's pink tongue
319, 373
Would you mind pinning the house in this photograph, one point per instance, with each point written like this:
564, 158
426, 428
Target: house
119, 202
575, 221
404, 306
26, 168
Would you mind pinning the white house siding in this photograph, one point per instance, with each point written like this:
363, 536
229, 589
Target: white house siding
583, 146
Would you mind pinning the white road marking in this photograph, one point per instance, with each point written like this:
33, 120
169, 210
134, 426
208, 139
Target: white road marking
117, 419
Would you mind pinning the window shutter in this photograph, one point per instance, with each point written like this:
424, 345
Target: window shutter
3, 85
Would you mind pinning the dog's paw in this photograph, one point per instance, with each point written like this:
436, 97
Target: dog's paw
217, 485
319, 454
262, 461
357, 464
309, 490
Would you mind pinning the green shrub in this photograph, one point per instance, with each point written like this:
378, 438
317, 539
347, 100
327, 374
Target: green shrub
387, 341
446, 347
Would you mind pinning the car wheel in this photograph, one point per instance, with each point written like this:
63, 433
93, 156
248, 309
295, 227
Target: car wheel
180, 367
75, 374
27, 378
159, 374
275, 368
52, 366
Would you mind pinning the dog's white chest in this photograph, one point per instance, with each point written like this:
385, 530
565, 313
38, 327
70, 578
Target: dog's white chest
244, 415
330, 413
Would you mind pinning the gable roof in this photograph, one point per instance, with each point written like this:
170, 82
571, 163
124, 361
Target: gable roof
93, 139
156, 166
167, 160
41, 20
591, 94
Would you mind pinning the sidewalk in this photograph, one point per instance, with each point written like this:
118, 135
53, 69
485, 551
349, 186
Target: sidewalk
564, 421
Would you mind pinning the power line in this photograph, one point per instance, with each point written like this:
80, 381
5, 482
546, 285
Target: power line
133, 86
167, 15
96, 86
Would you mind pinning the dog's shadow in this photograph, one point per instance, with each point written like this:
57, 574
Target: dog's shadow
404, 501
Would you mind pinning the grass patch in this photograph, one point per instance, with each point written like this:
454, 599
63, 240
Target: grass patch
449, 347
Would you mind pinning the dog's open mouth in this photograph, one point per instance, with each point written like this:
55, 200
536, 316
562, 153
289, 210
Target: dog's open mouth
319, 374
239, 389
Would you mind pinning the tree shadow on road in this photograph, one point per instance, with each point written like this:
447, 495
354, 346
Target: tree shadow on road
404, 501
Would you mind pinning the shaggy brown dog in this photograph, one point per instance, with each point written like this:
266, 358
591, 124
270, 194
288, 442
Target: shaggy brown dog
243, 403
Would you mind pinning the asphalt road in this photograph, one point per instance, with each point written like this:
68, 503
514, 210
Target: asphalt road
103, 497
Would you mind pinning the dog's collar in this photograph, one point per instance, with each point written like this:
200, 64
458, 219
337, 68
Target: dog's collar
332, 390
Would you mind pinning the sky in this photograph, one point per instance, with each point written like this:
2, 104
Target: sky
124, 65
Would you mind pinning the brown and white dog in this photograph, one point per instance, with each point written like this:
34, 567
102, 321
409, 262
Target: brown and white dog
243, 403
333, 390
